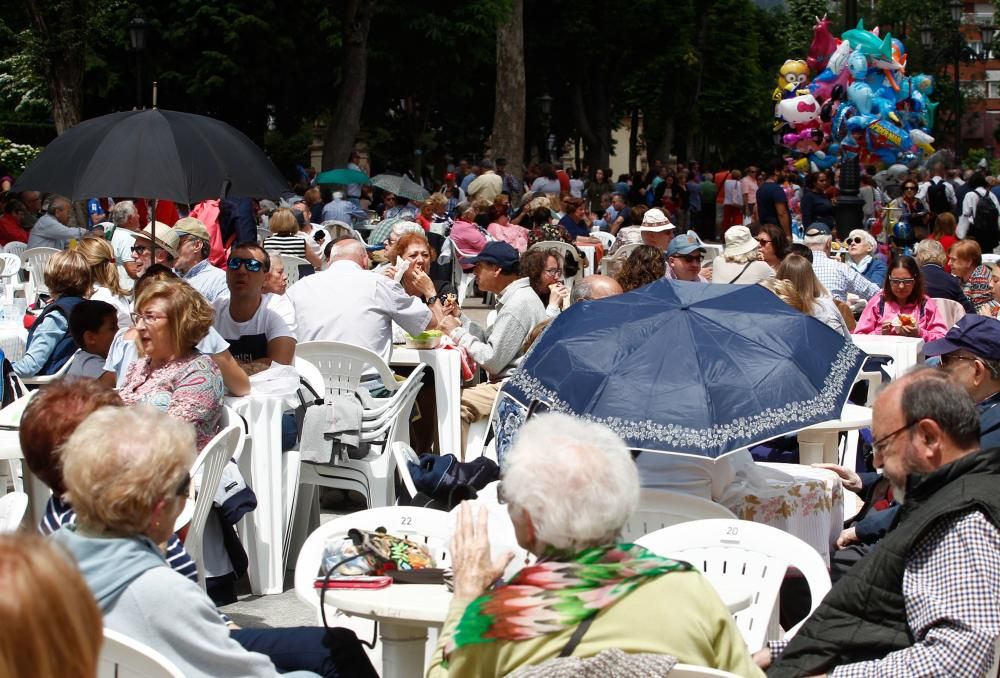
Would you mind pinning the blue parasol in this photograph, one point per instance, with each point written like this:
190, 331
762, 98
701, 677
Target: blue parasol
687, 367
342, 176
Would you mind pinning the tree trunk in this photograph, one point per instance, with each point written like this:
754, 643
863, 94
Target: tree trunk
591, 114
345, 122
633, 140
62, 35
507, 138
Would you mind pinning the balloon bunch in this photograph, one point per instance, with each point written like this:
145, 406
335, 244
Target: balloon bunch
860, 102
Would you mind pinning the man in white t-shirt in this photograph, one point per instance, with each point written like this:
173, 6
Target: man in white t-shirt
125, 218
257, 331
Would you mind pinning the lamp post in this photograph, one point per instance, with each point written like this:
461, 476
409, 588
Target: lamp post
137, 38
545, 106
958, 50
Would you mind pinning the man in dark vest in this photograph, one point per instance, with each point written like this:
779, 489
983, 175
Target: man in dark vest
927, 600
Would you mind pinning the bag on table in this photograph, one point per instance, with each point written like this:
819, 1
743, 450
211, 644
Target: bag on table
373, 553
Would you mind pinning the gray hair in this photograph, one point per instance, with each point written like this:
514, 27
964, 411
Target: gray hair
745, 258
930, 251
338, 195
402, 227
867, 237
929, 394
122, 211
576, 479
582, 291
53, 202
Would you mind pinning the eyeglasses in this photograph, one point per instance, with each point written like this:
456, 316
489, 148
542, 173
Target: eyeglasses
251, 265
856, 240
140, 249
909, 188
552, 271
184, 489
878, 447
901, 282
147, 318
762, 242
950, 358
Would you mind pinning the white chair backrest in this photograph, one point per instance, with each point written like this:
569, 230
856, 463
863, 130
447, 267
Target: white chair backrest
122, 657
951, 311
11, 265
48, 379
337, 229
13, 506
343, 364
422, 525
15, 248
607, 240
663, 508
746, 555
292, 267
231, 417
210, 464
611, 265
404, 453
34, 261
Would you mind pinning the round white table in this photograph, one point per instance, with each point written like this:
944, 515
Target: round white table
905, 352
819, 443
405, 611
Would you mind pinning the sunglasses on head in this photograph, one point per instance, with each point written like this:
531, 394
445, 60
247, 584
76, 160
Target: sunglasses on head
251, 265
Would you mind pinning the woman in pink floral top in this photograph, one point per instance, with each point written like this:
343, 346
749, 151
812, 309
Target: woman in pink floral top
171, 375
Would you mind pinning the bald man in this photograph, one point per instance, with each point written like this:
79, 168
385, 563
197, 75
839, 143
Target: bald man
349, 303
595, 287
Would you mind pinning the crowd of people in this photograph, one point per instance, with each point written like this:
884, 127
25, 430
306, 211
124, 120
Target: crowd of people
153, 318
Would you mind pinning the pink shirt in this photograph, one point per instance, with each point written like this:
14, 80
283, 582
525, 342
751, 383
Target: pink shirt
930, 322
468, 238
516, 236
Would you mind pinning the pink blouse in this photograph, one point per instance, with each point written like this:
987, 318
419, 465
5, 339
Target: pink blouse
516, 236
930, 322
189, 389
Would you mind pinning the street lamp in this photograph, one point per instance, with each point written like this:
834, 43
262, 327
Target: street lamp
958, 50
137, 37
545, 107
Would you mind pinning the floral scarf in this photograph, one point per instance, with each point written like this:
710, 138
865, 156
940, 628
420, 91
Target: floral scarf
550, 595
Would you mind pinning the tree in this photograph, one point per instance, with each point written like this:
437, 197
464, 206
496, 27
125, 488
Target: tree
345, 120
507, 138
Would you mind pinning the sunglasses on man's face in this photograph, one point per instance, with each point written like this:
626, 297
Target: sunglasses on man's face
140, 249
251, 265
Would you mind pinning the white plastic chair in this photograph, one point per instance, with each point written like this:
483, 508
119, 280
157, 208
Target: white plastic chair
292, 267
567, 251
403, 453
34, 261
607, 240
611, 265
461, 279
263, 234
951, 311
50, 378
663, 508
15, 248
750, 555
13, 507
122, 657
210, 463
11, 266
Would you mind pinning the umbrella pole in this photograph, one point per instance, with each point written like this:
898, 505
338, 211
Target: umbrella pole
152, 228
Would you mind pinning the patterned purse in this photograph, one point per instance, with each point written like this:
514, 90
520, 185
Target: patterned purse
373, 553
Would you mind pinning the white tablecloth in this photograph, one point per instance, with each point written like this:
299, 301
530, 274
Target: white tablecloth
447, 367
273, 475
906, 352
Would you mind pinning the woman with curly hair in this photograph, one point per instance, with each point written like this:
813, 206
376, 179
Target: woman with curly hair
544, 269
643, 266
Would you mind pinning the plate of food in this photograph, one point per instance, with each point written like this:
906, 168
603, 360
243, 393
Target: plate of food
424, 340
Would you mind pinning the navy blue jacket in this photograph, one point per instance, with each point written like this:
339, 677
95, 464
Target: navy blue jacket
940, 284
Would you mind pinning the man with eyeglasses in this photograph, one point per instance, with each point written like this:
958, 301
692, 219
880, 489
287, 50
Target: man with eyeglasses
684, 256
166, 248
924, 602
257, 332
192, 264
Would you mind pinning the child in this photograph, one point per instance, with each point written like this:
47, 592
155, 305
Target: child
93, 325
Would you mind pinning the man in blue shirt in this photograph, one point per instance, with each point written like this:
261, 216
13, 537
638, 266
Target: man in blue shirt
772, 203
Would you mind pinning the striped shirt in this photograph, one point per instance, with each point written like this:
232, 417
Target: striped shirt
286, 245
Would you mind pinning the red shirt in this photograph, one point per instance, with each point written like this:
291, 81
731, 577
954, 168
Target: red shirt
426, 223
11, 231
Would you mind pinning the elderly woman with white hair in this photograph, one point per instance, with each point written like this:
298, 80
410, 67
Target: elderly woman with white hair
862, 255
570, 486
126, 475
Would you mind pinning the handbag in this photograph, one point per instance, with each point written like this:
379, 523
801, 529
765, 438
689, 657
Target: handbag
372, 553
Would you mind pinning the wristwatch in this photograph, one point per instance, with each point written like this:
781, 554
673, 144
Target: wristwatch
431, 300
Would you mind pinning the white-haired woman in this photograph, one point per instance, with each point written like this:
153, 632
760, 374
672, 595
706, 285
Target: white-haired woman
570, 486
862, 256
125, 472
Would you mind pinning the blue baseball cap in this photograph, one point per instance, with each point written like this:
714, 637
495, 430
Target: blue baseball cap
498, 253
978, 334
685, 243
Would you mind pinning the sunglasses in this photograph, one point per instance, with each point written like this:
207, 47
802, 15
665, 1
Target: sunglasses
762, 242
856, 240
901, 281
140, 249
909, 188
251, 265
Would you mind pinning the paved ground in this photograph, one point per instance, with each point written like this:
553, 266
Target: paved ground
285, 609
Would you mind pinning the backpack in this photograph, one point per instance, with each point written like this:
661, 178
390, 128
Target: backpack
937, 197
984, 223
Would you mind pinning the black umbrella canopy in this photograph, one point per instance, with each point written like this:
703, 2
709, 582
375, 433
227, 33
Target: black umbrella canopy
157, 154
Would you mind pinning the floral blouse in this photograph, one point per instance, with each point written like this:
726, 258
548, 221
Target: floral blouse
189, 389
977, 289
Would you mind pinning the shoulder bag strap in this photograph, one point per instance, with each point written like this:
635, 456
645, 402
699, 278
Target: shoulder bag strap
740, 274
577, 636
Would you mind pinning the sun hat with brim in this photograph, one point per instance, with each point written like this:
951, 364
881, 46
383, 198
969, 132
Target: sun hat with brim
739, 241
193, 227
977, 334
165, 237
498, 253
655, 221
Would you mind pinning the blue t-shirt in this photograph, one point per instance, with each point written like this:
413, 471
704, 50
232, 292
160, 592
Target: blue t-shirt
93, 209
768, 195
574, 229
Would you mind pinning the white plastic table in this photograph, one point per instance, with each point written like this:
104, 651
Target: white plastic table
405, 612
446, 365
819, 443
906, 352
264, 531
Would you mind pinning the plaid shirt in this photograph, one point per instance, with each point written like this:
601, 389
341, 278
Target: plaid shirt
839, 279
952, 589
